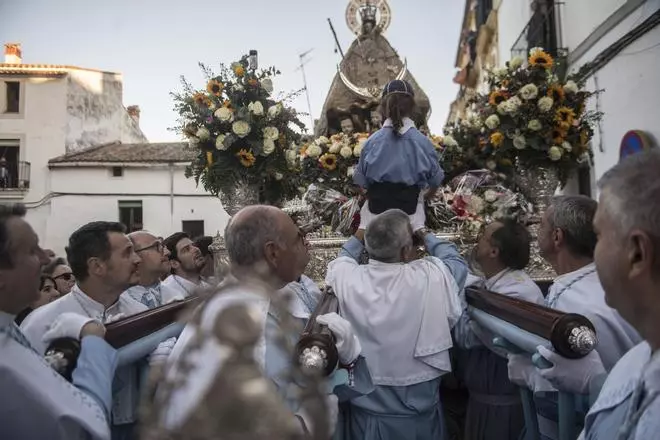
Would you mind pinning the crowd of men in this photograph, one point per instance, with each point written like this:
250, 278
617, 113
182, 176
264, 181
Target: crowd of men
399, 317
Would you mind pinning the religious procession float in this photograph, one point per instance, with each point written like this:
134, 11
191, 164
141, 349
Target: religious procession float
519, 143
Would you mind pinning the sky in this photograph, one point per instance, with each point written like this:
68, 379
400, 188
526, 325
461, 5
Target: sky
152, 43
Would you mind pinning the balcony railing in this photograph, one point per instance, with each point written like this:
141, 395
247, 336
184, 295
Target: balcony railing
15, 176
542, 30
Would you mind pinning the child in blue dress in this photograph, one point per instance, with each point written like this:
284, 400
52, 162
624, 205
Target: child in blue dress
398, 162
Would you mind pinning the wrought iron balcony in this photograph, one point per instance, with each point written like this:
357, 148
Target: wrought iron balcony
15, 176
542, 30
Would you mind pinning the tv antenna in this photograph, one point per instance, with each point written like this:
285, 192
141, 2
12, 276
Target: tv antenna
301, 67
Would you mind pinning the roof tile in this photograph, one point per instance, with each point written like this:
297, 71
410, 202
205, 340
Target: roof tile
120, 153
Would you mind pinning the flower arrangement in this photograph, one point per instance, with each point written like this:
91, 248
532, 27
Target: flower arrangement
240, 131
472, 199
530, 115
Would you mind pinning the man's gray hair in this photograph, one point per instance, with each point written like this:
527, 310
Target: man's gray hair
632, 190
574, 215
387, 235
245, 239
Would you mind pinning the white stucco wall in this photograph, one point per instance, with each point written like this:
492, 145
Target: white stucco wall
631, 91
512, 17
580, 18
81, 195
96, 113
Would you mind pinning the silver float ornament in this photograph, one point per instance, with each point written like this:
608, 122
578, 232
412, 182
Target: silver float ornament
582, 340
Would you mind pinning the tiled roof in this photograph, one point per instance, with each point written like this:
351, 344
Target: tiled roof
122, 153
40, 69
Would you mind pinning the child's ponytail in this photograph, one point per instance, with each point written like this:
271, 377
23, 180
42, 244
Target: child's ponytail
398, 103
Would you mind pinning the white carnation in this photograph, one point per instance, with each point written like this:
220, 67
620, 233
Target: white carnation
269, 146
534, 125
555, 153
220, 142
545, 104
202, 133
346, 152
529, 92
567, 146
350, 171
335, 147
519, 142
571, 87
275, 110
241, 128
515, 63
490, 195
271, 133
492, 122
256, 107
357, 150
224, 114
314, 151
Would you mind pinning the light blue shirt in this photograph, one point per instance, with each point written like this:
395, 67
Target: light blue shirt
410, 159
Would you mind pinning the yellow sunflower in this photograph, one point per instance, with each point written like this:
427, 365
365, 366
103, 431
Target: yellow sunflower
201, 99
239, 70
540, 58
496, 97
558, 136
328, 161
215, 87
496, 139
505, 83
564, 117
246, 158
556, 92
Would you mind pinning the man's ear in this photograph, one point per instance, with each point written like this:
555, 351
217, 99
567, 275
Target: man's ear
96, 266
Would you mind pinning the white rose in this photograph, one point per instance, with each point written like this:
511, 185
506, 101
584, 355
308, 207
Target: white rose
519, 142
534, 125
554, 153
492, 122
291, 156
357, 150
314, 151
224, 114
350, 171
515, 63
267, 85
571, 87
545, 104
241, 128
220, 142
202, 134
490, 196
449, 141
271, 133
346, 152
279, 176
567, 146
256, 107
500, 71
476, 205
514, 102
275, 110
269, 146
335, 147
529, 92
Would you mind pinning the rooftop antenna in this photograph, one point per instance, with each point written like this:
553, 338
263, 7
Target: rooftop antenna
301, 67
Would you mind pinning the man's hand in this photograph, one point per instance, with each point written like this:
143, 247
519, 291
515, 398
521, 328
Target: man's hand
73, 325
418, 219
571, 375
365, 216
348, 345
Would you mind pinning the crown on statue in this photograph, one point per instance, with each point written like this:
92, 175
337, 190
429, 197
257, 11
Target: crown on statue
368, 13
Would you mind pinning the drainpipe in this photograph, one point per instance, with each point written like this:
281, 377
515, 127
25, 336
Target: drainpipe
171, 166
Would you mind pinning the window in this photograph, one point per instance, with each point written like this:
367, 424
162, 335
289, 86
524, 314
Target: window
194, 228
14, 174
117, 171
130, 214
13, 95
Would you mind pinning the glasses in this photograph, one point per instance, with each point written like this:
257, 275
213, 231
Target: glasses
158, 245
65, 276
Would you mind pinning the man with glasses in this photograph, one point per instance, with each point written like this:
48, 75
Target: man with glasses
154, 264
187, 263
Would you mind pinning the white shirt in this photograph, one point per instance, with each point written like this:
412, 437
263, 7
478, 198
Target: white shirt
155, 295
37, 402
182, 286
580, 292
126, 399
401, 313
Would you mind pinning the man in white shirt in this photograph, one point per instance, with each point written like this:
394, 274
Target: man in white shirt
37, 402
105, 264
187, 264
402, 310
627, 257
154, 264
494, 406
267, 253
567, 241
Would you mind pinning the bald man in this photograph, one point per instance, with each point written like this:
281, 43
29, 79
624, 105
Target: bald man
267, 252
154, 264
